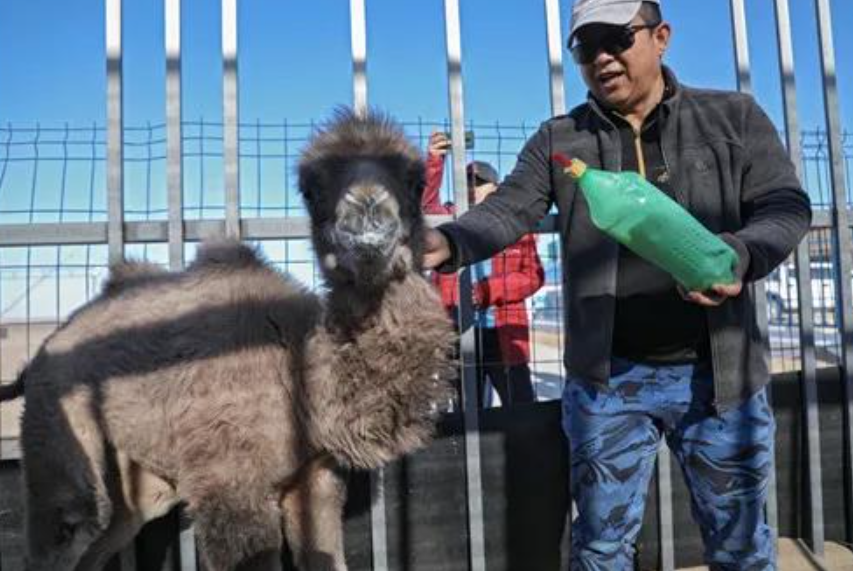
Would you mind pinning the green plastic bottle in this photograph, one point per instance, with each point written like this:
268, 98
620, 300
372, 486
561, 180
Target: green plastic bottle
635, 213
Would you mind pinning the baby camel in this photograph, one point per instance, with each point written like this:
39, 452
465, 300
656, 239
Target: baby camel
232, 389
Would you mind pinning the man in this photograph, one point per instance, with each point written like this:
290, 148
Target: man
501, 285
645, 359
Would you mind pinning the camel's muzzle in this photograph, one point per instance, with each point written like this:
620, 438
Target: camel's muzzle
368, 221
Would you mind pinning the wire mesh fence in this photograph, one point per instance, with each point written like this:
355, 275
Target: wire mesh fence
57, 174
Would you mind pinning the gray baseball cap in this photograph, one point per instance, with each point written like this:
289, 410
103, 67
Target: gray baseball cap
616, 12
483, 171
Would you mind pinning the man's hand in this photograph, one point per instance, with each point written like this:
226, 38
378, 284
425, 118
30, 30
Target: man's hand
436, 249
439, 144
714, 296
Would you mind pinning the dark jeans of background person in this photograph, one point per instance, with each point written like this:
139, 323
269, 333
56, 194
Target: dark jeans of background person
512, 382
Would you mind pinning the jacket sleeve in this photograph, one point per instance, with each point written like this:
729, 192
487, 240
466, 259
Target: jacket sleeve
775, 210
514, 209
431, 198
516, 285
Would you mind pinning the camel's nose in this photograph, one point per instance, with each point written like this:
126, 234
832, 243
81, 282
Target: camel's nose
367, 217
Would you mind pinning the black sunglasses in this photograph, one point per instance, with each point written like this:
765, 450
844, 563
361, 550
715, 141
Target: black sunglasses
611, 39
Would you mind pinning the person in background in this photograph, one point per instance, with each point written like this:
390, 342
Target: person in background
646, 360
500, 286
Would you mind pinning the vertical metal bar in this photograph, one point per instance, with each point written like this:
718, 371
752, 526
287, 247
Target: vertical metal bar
187, 550
758, 289
457, 115
359, 55
231, 117
665, 527
804, 290
470, 400
175, 187
127, 558
115, 134
2, 455
174, 136
744, 74
556, 82
555, 57
115, 165
378, 520
841, 239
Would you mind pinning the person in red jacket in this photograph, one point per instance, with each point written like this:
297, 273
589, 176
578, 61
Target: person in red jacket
500, 286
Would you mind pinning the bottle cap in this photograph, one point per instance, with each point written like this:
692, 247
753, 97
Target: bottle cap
572, 167
576, 169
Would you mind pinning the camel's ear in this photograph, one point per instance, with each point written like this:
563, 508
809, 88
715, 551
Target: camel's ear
308, 181
314, 185
417, 179
410, 203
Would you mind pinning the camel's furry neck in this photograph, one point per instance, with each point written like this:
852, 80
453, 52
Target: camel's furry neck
391, 364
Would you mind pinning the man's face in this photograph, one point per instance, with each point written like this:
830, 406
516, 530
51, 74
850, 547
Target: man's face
623, 80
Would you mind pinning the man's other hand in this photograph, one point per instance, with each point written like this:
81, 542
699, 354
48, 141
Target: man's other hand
714, 296
436, 249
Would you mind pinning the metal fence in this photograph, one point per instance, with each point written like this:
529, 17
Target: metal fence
73, 198
55, 175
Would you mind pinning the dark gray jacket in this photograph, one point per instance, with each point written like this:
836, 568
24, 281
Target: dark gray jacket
728, 168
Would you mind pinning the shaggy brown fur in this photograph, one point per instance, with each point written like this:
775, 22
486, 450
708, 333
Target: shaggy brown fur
231, 388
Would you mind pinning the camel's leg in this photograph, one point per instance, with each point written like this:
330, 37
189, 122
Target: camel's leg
144, 497
266, 561
313, 513
67, 503
225, 537
122, 530
234, 520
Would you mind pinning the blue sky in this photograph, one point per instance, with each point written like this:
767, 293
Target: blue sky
294, 58
294, 65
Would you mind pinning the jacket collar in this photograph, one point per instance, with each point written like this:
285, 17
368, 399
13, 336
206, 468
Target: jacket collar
671, 97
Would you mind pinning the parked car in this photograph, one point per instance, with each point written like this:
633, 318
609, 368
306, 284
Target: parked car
781, 286
547, 306
782, 296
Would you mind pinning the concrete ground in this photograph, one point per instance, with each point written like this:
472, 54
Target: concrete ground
794, 556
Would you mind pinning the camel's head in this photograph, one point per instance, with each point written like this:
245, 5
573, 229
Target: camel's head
362, 182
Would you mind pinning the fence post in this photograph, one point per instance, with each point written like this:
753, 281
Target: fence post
358, 35
231, 118
841, 240
467, 354
802, 258
758, 289
555, 57
174, 134
115, 132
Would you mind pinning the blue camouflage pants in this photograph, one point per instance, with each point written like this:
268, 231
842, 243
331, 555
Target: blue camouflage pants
726, 459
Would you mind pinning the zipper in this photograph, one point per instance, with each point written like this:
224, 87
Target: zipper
638, 148
612, 322
680, 198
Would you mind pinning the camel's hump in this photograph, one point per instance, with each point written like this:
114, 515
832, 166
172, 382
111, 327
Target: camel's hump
226, 254
219, 254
